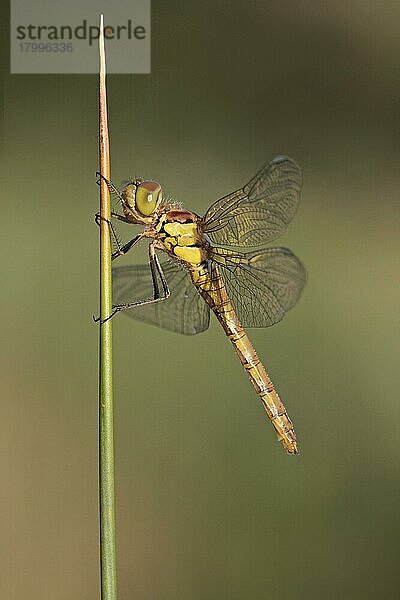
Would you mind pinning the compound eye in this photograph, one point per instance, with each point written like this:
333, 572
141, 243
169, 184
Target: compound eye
148, 197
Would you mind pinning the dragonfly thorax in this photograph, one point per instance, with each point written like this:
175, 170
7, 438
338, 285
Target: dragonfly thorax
180, 236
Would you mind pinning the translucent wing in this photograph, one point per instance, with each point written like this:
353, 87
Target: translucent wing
259, 212
262, 285
183, 312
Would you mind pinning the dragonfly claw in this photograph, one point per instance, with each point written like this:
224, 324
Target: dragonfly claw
99, 320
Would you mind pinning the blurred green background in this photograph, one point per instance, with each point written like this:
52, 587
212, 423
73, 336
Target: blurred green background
208, 504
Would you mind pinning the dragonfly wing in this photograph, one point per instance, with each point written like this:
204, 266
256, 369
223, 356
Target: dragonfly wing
183, 312
259, 212
262, 285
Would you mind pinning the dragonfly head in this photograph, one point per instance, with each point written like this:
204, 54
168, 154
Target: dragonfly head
141, 199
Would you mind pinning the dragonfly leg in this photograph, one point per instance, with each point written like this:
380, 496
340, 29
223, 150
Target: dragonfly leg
110, 185
156, 271
121, 250
115, 191
98, 218
121, 217
126, 247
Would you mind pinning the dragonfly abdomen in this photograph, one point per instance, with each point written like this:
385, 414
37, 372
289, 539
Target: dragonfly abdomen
212, 288
264, 387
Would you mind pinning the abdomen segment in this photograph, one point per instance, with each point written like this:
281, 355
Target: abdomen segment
212, 288
264, 388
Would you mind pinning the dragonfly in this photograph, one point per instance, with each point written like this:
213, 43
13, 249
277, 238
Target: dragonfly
219, 263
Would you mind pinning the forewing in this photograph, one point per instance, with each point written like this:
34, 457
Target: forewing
262, 285
261, 211
183, 312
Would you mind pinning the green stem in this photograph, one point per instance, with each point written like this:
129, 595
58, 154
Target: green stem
106, 429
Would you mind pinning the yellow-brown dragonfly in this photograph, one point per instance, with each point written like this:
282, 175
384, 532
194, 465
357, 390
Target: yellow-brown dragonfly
218, 261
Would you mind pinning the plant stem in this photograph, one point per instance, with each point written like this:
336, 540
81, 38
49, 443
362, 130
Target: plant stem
106, 429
